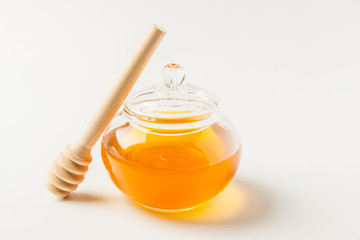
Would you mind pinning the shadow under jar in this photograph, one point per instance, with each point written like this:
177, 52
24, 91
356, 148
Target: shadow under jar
170, 149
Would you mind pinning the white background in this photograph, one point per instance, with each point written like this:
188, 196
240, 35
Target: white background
287, 73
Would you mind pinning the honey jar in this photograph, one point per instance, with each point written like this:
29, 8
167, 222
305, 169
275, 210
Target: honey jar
169, 148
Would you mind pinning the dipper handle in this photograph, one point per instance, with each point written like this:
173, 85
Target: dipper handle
69, 169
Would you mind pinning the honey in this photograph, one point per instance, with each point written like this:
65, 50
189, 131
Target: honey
174, 171
170, 149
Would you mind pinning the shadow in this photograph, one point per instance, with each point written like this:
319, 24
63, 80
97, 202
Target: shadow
85, 197
239, 204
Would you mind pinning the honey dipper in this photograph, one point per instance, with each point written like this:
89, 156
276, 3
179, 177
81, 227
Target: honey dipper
69, 168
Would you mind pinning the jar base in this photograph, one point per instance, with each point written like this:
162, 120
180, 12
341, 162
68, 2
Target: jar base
169, 210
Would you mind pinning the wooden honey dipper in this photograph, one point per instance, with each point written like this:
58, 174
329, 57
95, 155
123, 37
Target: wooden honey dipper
69, 168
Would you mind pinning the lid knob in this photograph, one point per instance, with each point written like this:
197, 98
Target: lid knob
173, 75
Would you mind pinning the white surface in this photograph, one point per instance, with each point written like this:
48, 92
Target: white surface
287, 73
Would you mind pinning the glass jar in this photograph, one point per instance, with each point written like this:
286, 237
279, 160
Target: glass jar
169, 148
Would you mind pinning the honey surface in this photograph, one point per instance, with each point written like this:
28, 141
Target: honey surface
171, 172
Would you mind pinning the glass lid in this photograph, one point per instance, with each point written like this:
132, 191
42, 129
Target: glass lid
172, 101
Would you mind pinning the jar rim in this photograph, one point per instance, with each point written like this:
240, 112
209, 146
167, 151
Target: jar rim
157, 107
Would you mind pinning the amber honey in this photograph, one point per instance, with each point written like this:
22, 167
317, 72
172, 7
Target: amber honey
171, 171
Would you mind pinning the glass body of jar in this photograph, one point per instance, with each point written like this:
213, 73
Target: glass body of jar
170, 169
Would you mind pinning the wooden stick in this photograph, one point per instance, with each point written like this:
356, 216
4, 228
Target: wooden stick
68, 170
